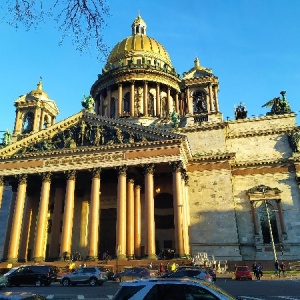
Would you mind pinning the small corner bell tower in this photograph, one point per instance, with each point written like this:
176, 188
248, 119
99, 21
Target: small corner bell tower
201, 87
35, 111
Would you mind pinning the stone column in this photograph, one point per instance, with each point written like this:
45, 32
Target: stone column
121, 215
54, 250
109, 102
185, 215
149, 211
130, 219
216, 98
170, 108
37, 114
189, 101
178, 207
10, 219
176, 103
158, 108
145, 94
26, 228
66, 236
18, 122
13, 247
1, 190
137, 221
120, 100
41, 125
132, 106
254, 218
211, 98
282, 225
94, 216
42, 220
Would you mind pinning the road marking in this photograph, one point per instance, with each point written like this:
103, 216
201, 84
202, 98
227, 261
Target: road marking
50, 297
80, 297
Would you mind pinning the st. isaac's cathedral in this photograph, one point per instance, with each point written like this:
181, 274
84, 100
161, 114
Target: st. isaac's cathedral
149, 164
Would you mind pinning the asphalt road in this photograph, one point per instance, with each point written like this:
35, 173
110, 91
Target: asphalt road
288, 289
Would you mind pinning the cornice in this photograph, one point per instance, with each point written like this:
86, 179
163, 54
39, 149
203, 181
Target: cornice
260, 133
263, 163
202, 127
216, 157
206, 79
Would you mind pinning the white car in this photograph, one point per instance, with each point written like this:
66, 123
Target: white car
170, 288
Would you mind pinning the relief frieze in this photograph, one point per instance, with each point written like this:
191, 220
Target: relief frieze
83, 160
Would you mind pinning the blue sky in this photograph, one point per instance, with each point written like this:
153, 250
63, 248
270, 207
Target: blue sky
253, 47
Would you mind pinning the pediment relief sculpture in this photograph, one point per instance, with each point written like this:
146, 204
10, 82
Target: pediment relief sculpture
85, 134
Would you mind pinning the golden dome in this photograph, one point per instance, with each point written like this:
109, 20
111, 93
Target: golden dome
39, 93
138, 47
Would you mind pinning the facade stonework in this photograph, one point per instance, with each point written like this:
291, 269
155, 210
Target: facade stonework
149, 164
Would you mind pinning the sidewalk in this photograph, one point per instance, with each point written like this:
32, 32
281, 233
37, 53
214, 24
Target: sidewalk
230, 275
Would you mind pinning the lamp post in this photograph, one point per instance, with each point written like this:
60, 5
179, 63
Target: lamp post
270, 227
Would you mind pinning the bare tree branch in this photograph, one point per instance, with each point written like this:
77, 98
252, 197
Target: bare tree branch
81, 20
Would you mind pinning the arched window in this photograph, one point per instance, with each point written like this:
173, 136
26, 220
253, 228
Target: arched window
46, 122
126, 104
150, 105
199, 102
28, 122
112, 107
265, 222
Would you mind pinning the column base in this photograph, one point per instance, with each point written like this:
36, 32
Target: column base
121, 257
12, 260
38, 259
93, 258
152, 256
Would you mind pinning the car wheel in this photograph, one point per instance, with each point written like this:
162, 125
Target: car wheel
38, 283
118, 279
93, 282
65, 282
47, 283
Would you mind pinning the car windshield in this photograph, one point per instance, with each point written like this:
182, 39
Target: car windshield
10, 271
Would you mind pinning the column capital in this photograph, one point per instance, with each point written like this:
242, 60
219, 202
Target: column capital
149, 169
186, 179
130, 180
22, 179
137, 187
70, 175
176, 166
122, 170
96, 172
46, 176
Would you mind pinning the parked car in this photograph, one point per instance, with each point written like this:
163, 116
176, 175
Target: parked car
109, 272
87, 275
20, 296
170, 288
132, 273
3, 278
243, 273
32, 274
210, 271
192, 273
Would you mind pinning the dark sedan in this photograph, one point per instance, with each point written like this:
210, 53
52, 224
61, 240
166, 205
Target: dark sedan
131, 274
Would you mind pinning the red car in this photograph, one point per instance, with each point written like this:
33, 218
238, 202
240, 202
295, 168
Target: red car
243, 273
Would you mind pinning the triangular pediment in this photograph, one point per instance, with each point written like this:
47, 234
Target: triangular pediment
87, 130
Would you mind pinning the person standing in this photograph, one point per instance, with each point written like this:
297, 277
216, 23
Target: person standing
283, 268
